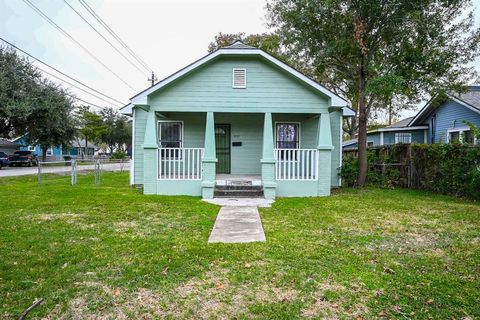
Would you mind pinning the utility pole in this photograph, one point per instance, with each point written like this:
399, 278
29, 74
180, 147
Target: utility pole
152, 79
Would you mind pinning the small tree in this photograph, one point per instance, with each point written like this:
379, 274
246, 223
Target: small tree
91, 126
118, 132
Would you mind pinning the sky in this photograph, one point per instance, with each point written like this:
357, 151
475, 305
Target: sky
166, 34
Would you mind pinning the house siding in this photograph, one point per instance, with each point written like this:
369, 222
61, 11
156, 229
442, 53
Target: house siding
417, 136
139, 135
451, 115
209, 88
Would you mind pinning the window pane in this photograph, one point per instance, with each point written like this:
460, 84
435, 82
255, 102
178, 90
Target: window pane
170, 134
287, 135
454, 136
468, 137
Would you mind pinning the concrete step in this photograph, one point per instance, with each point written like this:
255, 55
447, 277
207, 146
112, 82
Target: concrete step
238, 187
238, 193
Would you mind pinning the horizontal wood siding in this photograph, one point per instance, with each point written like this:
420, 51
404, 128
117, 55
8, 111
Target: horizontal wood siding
335, 125
247, 129
209, 88
451, 115
417, 136
140, 125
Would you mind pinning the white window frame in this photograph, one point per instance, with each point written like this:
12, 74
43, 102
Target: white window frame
233, 78
49, 151
404, 134
31, 148
460, 136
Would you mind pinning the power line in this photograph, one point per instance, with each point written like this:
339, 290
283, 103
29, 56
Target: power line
114, 34
43, 15
104, 38
62, 73
71, 84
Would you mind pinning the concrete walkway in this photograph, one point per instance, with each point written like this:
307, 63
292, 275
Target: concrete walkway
237, 224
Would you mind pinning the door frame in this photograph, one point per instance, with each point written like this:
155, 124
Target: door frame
229, 146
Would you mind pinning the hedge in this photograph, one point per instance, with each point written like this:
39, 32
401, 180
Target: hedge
444, 168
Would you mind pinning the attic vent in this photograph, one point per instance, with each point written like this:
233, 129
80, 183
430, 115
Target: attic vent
239, 78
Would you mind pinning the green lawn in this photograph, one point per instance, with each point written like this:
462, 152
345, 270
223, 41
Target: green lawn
112, 252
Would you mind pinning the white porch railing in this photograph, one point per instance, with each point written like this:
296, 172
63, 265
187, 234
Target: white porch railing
296, 164
180, 163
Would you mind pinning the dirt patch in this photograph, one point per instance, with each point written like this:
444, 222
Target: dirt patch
325, 307
410, 242
66, 217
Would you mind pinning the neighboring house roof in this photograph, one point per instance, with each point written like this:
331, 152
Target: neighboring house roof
6, 143
238, 48
401, 123
349, 142
469, 99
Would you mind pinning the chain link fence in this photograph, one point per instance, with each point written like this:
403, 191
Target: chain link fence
69, 170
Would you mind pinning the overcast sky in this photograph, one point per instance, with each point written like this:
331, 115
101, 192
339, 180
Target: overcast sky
167, 34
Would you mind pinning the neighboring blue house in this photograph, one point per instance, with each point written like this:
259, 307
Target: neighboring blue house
57, 153
434, 123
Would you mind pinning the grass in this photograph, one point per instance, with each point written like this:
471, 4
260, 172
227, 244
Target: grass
110, 252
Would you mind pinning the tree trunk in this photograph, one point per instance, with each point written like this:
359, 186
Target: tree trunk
85, 148
362, 127
44, 153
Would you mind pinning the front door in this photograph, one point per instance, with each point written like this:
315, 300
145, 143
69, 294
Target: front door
222, 144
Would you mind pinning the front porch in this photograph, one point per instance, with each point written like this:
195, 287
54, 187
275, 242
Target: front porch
275, 155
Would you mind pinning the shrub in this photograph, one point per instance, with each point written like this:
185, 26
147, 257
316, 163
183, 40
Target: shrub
120, 155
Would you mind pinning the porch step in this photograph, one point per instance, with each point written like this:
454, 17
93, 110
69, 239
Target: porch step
238, 191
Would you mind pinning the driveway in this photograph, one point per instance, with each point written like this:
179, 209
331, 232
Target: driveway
22, 171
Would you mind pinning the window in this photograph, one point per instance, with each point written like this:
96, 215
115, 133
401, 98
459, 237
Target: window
49, 151
463, 135
403, 137
170, 135
31, 148
369, 143
287, 135
239, 80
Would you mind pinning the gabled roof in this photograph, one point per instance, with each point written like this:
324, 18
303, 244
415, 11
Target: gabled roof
469, 99
238, 48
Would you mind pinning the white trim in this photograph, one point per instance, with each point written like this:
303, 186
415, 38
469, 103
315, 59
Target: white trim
244, 86
182, 131
381, 138
425, 136
399, 129
141, 98
299, 133
132, 165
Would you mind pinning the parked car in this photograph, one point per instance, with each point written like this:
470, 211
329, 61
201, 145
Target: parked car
4, 160
27, 158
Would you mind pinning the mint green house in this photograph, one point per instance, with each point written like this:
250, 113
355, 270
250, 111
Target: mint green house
237, 115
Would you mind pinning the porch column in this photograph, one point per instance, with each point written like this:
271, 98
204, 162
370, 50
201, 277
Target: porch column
150, 149
209, 158
324, 147
268, 159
